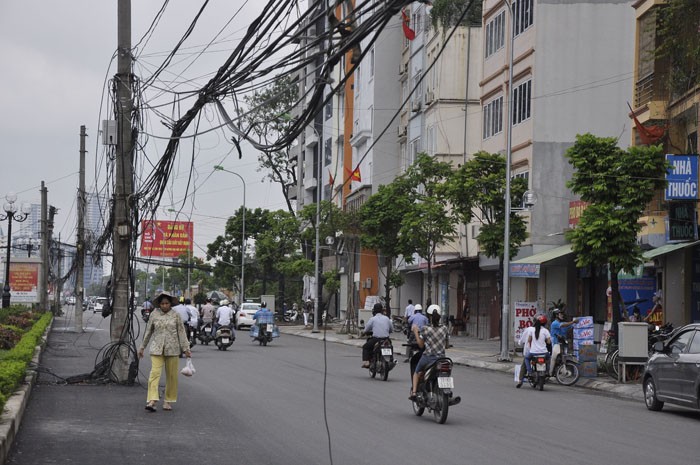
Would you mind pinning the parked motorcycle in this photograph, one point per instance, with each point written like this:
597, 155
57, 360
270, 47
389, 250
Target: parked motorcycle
435, 389
538, 374
204, 333
224, 337
382, 359
398, 325
565, 366
659, 334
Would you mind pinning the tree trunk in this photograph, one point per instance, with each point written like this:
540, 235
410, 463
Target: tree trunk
387, 284
615, 288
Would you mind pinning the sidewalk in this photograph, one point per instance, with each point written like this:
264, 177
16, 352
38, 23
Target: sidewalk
472, 352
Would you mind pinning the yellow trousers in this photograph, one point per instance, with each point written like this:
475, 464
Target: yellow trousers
171, 364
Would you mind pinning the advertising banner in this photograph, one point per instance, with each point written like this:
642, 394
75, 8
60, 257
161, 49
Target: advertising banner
166, 239
524, 311
24, 282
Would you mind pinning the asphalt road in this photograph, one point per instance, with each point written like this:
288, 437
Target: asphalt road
269, 405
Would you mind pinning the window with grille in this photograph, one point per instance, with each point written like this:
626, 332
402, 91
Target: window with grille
521, 102
495, 34
523, 15
493, 117
328, 151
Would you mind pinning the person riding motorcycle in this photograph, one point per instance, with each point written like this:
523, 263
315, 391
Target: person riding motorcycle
538, 344
434, 339
558, 329
224, 317
418, 318
380, 327
264, 315
527, 332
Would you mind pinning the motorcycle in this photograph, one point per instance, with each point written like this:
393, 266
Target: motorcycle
291, 315
382, 359
538, 374
204, 333
659, 334
411, 346
224, 337
398, 325
264, 333
145, 314
565, 366
435, 388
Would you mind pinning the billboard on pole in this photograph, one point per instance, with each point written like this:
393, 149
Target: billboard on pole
166, 239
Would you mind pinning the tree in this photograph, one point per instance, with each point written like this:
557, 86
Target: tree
380, 220
447, 13
478, 188
428, 223
268, 118
618, 184
679, 42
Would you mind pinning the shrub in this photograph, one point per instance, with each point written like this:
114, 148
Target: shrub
9, 336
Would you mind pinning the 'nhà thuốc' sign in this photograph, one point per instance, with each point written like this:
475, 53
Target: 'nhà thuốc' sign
682, 177
682, 222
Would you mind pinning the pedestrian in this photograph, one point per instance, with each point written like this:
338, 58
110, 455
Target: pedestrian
308, 307
167, 336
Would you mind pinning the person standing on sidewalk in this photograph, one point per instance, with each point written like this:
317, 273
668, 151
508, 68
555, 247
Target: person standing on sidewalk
167, 335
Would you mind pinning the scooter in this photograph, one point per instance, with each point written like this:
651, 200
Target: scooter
435, 388
538, 374
204, 334
291, 315
263, 333
145, 314
382, 359
224, 337
565, 367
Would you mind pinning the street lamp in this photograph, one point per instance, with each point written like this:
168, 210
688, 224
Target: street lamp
10, 214
505, 311
242, 297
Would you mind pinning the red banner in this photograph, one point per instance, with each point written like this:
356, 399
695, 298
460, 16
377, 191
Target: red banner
168, 239
24, 277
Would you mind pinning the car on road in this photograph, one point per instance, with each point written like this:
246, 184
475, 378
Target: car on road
98, 304
672, 373
70, 300
244, 315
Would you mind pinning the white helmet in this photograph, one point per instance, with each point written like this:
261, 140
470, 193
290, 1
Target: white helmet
224, 302
418, 308
435, 308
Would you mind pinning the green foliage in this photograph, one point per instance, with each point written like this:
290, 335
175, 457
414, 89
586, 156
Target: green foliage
13, 362
478, 188
447, 13
267, 117
679, 42
331, 281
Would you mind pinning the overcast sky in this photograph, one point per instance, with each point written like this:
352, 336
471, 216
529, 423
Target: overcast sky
56, 56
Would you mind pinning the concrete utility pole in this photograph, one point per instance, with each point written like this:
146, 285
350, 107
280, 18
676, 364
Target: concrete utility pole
44, 287
123, 189
80, 245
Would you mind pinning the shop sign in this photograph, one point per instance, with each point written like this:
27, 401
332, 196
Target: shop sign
524, 311
524, 270
682, 177
682, 224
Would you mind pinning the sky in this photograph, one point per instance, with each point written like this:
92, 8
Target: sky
57, 57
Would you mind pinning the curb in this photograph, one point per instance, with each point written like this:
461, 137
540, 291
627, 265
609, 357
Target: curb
11, 417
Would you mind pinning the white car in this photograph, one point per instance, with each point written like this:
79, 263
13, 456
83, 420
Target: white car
244, 316
98, 304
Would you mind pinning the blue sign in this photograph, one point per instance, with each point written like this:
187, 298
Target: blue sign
525, 270
682, 177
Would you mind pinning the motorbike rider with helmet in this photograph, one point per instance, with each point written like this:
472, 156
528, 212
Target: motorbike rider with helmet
380, 327
538, 343
264, 315
224, 317
434, 339
558, 329
524, 336
418, 318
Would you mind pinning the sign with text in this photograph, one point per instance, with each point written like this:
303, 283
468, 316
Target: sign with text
682, 177
524, 311
24, 282
524, 270
682, 222
166, 239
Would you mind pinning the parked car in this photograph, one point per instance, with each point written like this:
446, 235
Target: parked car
673, 372
244, 316
98, 304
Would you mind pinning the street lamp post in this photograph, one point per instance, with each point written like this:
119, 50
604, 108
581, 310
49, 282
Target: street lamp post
505, 311
242, 296
10, 214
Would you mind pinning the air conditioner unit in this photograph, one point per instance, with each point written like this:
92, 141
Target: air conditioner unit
402, 130
415, 105
367, 284
429, 97
405, 67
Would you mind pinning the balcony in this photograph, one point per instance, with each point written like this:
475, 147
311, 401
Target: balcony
649, 91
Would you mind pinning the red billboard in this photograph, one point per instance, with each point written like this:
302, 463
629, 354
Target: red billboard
168, 239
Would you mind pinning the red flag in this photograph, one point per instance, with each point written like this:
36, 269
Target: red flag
406, 24
648, 134
331, 181
354, 175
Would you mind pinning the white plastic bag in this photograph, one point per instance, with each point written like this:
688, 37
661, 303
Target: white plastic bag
516, 372
188, 370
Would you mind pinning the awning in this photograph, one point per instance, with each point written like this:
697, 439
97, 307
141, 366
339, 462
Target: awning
529, 267
664, 249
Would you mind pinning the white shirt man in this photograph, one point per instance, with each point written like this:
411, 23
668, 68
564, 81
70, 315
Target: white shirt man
410, 309
224, 314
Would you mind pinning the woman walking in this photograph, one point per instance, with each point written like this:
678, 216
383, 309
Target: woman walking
168, 339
